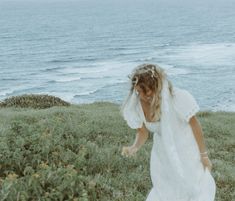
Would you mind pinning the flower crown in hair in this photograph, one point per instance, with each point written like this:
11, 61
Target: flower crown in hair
153, 74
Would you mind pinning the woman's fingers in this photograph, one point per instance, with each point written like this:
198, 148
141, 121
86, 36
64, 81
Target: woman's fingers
134, 150
206, 163
128, 151
125, 151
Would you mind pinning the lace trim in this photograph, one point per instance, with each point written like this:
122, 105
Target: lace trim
192, 112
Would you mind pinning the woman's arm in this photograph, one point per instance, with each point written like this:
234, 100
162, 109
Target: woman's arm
197, 131
141, 137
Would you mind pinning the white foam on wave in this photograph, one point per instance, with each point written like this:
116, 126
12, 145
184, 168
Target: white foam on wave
67, 79
165, 66
86, 93
177, 71
113, 69
116, 71
146, 59
200, 54
99, 67
173, 70
6, 92
82, 70
107, 74
10, 91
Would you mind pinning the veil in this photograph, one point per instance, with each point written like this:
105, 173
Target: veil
169, 131
168, 118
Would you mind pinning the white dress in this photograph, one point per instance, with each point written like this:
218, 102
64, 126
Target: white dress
199, 184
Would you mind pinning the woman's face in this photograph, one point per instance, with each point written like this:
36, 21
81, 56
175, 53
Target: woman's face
147, 96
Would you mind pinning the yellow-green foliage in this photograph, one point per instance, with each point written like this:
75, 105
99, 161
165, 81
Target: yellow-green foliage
74, 153
33, 101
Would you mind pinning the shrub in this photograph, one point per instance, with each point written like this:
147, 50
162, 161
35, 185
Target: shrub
33, 101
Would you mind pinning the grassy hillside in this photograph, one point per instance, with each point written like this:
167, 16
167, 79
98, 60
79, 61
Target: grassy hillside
74, 153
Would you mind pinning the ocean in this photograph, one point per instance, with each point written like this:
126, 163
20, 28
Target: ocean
82, 51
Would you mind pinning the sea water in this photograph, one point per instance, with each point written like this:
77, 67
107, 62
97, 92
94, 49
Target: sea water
83, 50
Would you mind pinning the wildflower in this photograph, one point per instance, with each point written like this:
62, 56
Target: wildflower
12, 176
36, 175
43, 165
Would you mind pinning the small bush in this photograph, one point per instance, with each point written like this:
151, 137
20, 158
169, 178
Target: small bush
33, 101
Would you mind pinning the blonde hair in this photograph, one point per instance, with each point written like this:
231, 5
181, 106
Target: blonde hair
151, 76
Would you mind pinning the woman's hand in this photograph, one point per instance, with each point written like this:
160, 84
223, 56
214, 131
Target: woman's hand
206, 163
129, 151
141, 137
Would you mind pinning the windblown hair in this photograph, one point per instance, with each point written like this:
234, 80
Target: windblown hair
149, 76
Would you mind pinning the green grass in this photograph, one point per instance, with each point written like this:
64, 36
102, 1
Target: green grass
74, 153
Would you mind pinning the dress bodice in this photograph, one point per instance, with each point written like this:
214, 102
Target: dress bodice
183, 104
151, 126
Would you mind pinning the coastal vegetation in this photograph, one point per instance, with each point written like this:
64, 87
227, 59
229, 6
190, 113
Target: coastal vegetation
73, 152
35, 101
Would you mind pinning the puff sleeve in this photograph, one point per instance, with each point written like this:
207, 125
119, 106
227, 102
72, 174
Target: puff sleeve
131, 112
184, 104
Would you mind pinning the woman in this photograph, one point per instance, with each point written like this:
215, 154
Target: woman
179, 164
